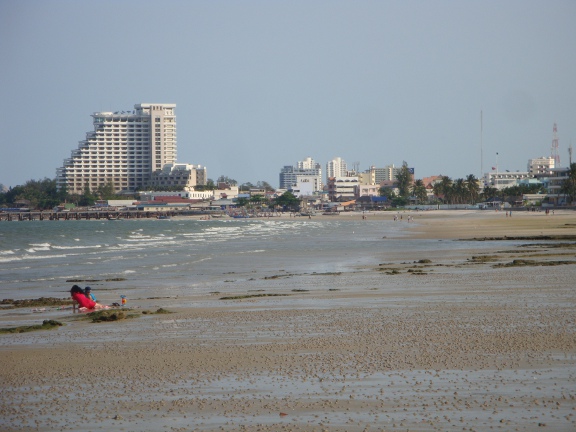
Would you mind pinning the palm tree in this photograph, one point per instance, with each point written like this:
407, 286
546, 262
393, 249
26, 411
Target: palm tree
459, 191
444, 188
569, 185
472, 186
404, 179
419, 191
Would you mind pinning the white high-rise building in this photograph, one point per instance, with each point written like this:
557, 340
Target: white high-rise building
336, 168
289, 175
308, 163
124, 149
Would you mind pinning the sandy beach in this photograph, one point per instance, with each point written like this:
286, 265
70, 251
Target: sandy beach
463, 340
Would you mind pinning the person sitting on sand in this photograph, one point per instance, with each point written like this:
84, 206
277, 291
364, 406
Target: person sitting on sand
88, 293
84, 303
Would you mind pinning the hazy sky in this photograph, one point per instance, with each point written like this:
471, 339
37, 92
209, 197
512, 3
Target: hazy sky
263, 84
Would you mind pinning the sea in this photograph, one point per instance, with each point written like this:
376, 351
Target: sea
188, 257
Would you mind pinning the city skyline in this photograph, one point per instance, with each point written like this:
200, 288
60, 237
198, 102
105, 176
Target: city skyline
260, 85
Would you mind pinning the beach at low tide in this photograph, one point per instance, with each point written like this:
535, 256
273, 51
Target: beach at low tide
479, 337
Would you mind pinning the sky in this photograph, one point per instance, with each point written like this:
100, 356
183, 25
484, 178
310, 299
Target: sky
263, 84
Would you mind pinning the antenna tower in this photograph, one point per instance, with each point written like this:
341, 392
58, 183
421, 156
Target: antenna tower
555, 154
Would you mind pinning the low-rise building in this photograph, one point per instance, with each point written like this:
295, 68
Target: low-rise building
342, 188
186, 176
542, 165
501, 180
555, 182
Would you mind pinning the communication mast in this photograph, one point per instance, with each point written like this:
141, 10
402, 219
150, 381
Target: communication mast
555, 154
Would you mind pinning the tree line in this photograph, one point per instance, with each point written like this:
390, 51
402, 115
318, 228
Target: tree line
43, 194
466, 190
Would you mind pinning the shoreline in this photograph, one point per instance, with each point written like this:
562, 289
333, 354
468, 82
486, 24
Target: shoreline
462, 341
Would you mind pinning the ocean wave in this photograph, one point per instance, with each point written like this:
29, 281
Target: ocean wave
7, 252
41, 257
147, 239
40, 245
76, 247
38, 249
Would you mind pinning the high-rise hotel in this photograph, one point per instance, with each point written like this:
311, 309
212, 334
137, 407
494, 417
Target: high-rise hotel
125, 149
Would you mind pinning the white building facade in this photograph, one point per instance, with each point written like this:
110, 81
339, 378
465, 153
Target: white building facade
124, 149
541, 165
336, 168
307, 168
342, 188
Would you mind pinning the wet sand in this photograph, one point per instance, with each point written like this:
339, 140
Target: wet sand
466, 341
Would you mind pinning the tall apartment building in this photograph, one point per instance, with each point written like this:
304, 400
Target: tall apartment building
388, 173
306, 170
336, 168
124, 149
307, 163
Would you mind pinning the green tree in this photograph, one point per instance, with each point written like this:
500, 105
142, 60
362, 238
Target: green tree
419, 191
264, 185
245, 187
210, 185
106, 192
287, 200
387, 192
225, 179
443, 189
459, 191
41, 194
242, 202
257, 199
404, 180
490, 192
473, 190
87, 198
569, 185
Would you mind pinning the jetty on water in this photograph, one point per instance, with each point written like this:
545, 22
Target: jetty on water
97, 215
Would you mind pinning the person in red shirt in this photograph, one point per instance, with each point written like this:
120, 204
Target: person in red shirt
84, 302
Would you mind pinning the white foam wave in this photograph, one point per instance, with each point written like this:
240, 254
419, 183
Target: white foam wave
38, 249
40, 245
39, 257
76, 247
129, 271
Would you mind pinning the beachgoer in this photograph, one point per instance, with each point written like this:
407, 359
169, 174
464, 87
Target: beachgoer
88, 293
84, 303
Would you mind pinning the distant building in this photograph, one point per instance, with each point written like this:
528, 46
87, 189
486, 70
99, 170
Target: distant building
368, 190
557, 178
128, 149
367, 177
307, 168
540, 166
336, 168
342, 188
184, 176
501, 180
387, 173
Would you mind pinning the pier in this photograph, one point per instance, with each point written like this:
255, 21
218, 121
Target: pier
49, 215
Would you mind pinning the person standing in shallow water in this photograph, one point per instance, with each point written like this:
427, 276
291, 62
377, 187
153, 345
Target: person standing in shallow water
84, 303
